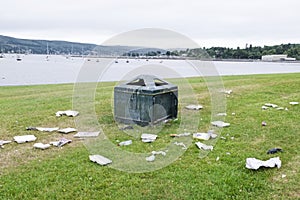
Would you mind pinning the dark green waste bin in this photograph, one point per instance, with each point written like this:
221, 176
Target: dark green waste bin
145, 100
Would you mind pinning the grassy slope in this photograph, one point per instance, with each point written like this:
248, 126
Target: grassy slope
66, 173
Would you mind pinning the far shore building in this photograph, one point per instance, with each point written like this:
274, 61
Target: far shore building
277, 57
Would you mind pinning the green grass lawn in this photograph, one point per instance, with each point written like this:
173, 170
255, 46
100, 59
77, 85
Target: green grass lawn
67, 173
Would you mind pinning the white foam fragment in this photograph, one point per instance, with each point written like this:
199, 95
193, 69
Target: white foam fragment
86, 134
194, 107
3, 142
69, 113
294, 103
271, 105
222, 114
204, 146
148, 137
253, 163
24, 138
67, 130
47, 129
61, 142
101, 160
220, 124
41, 146
201, 136
227, 91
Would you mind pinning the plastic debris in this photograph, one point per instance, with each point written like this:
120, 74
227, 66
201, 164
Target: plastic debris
227, 91
264, 107
271, 105
3, 142
218, 158
154, 153
67, 130
86, 134
41, 146
220, 124
201, 136
253, 163
180, 135
280, 108
283, 175
61, 142
101, 160
69, 113
222, 114
24, 138
148, 137
32, 128
181, 144
264, 123
204, 146
274, 150
233, 113
294, 103
194, 107
125, 143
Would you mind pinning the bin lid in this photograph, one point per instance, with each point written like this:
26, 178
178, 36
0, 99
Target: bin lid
147, 82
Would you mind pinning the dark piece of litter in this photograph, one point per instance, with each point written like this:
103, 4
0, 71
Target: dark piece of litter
274, 150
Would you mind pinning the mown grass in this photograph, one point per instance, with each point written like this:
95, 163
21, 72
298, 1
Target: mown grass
67, 173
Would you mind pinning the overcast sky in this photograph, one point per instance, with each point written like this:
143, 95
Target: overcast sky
229, 23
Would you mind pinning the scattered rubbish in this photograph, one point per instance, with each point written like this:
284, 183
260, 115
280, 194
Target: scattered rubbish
148, 137
32, 128
69, 113
226, 91
220, 124
127, 127
204, 146
222, 137
218, 158
264, 123
228, 153
3, 142
67, 130
24, 138
180, 135
154, 153
280, 108
86, 134
194, 107
274, 150
205, 136
125, 143
232, 138
101, 160
283, 175
253, 163
201, 136
222, 114
181, 144
41, 146
294, 103
271, 105
150, 158
264, 107
61, 142
233, 113
286, 109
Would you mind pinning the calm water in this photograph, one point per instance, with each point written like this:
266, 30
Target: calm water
36, 69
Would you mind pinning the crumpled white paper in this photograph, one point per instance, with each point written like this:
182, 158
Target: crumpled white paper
148, 137
204, 146
101, 160
24, 138
253, 163
41, 146
69, 113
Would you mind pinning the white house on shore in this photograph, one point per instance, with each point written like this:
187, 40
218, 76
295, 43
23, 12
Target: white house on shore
277, 57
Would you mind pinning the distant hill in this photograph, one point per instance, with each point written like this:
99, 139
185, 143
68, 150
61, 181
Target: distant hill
16, 45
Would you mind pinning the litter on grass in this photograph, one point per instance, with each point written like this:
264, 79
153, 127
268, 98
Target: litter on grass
253, 163
41, 146
61, 142
204, 146
24, 138
125, 143
220, 124
3, 142
271, 105
67, 130
180, 135
222, 114
148, 137
227, 91
86, 134
205, 136
154, 153
294, 103
274, 150
181, 144
264, 123
32, 128
69, 113
194, 107
101, 160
